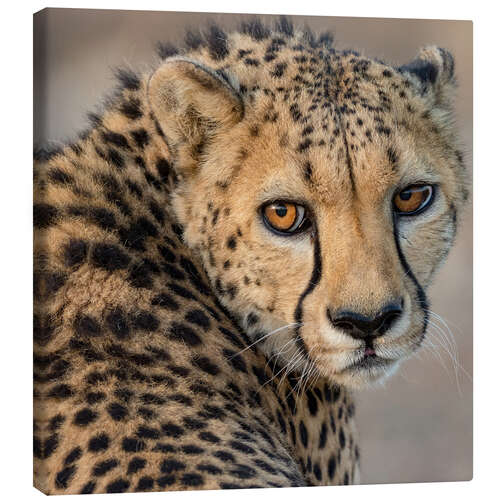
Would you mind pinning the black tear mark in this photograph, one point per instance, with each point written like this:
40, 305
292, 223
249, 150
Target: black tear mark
313, 282
422, 298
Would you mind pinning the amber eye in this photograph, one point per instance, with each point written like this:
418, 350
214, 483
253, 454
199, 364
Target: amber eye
285, 217
413, 199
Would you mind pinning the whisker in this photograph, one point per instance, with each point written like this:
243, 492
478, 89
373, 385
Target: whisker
260, 339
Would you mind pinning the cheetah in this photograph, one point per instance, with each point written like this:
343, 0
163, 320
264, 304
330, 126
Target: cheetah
242, 238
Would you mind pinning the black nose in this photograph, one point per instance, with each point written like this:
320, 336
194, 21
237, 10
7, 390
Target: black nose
361, 327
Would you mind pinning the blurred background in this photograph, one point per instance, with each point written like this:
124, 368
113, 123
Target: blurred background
418, 426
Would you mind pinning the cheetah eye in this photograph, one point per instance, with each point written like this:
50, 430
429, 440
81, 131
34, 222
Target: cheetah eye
285, 218
413, 199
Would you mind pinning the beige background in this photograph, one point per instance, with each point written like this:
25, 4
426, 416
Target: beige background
418, 427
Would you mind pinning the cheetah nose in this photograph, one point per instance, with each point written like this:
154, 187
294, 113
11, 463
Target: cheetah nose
363, 327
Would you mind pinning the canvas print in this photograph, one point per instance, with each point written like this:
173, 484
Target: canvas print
240, 257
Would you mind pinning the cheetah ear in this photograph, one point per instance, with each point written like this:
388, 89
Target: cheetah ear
433, 72
192, 104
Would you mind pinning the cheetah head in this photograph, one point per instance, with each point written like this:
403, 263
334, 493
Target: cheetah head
321, 193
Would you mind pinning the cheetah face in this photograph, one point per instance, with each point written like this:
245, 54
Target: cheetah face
320, 213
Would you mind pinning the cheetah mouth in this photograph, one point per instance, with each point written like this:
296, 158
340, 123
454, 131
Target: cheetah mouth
369, 360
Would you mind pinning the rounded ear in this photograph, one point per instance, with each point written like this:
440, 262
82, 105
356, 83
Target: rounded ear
192, 104
434, 73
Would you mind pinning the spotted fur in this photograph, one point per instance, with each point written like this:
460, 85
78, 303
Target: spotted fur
155, 286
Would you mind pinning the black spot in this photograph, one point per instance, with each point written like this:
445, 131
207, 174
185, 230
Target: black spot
209, 469
166, 480
239, 446
383, 130
208, 436
105, 466
157, 211
211, 411
73, 456
64, 476
44, 215
152, 399
173, 272
311, 403
171, 465
281, 421
243, 471
192, 479
206, 365
75, 252
99, 443
166, 253
194, 276
231, 243
342, 438
279, 70
198, 317
194, 423
317, 472
61, 391
135, 465
193, 39
332, 465
251, 62
217, 43
304, 145
225, 456
110, 257
84, 417
164, 168
115, 158
50, 445
118, 486
117, 323
323, 435
134, 188
117, 412
284, 26
128, 79
393, 156
164, 448
116, 139
132, 445
183, 333
59, 176
191, 449
140, 275
164, 300
141, 137
88, 488
145, 321
53, 282
135, 235
165, 50
235, 359
255, 29
87, 326
132, 110
145, 483
117, 199
172, 430
303, 434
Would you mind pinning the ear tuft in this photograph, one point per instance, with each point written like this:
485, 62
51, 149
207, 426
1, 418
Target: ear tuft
192, 104
434, 72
